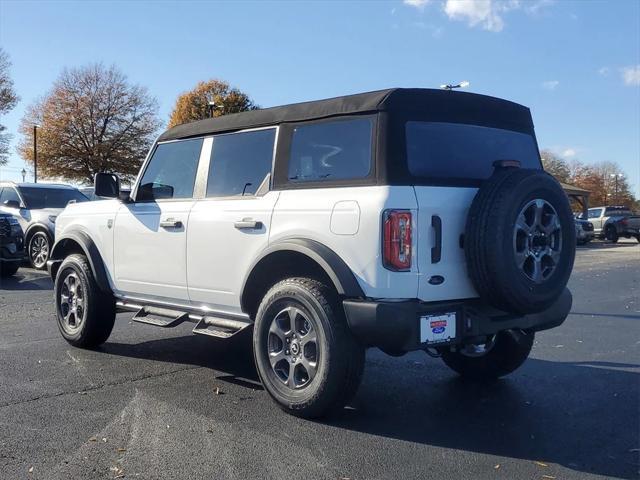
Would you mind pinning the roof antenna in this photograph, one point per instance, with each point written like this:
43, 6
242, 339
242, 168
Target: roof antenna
449, 86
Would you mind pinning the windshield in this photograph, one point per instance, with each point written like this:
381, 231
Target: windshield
455, 150
42, 197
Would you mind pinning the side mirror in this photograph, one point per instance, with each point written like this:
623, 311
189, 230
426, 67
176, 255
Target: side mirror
107, 185
11, 204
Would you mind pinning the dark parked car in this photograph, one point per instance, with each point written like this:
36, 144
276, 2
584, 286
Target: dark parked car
11, 245
36, 207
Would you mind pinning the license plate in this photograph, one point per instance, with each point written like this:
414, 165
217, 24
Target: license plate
440, 328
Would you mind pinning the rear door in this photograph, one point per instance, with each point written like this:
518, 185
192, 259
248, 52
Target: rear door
150, 233
230, 226
448, 162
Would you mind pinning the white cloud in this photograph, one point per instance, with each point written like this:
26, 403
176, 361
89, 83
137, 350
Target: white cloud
475, 12
550, 84
604, 71
489, 14
419, 4
631, 75
569, 152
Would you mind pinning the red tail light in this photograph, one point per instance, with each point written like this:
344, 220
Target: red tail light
624, 221
396, 240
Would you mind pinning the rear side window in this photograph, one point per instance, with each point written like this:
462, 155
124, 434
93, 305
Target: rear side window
454, 150
240, 162
8, 193
595, 213
171, 172
329, 151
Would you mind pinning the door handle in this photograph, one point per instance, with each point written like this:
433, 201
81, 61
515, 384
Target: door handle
248, 223
436, 250
171, 223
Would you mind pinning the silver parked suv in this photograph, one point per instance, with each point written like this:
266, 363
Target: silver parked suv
36, 207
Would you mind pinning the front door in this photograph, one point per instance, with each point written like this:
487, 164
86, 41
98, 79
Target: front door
230, 226
150, 233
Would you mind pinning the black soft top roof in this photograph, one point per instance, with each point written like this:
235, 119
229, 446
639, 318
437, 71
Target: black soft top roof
437, 105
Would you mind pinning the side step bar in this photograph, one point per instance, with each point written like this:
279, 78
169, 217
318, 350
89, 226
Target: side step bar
214, 326
160, 317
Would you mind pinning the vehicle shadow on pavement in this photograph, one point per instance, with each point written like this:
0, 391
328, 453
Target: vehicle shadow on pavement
554, 412
232, 358
582, 415
27, 281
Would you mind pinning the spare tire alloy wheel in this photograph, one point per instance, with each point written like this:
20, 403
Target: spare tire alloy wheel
520, 241
39, 250
293, 347
537, 240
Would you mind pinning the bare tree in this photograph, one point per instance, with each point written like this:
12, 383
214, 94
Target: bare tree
556, 166
8, 100
92, 120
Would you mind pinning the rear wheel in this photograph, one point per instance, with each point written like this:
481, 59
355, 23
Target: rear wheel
306, 356
85, 314
500, 355
39, 247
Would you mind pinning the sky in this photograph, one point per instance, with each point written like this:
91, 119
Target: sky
575, 64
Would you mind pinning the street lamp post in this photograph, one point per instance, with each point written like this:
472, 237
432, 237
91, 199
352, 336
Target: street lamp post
616, 176
24, 174
35, 153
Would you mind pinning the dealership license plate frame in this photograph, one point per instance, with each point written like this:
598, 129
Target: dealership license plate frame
439, 328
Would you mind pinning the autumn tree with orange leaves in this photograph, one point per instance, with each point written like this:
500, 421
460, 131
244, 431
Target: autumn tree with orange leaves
92, 120
194, 104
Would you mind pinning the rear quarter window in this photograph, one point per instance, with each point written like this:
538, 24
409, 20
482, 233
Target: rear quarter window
328, 151
460, 151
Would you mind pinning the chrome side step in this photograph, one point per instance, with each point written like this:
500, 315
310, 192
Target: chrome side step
214, 326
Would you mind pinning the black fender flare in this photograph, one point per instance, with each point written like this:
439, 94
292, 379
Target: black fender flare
336, 269
38, 226
89, 249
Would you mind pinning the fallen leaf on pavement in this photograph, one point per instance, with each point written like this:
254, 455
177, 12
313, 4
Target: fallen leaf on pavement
93, 439
31, 470
497, 466
120, 450
551, 477
541, 464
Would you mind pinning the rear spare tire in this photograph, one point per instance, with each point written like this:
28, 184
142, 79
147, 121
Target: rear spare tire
520, 240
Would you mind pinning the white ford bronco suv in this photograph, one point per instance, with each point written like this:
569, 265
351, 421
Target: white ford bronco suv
403, 219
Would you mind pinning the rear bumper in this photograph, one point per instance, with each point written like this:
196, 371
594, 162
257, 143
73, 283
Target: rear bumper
396, 326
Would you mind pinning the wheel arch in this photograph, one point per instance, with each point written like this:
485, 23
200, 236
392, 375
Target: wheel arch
38, 227
79, 242
296, 257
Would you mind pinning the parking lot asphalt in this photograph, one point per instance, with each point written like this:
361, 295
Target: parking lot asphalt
155, 404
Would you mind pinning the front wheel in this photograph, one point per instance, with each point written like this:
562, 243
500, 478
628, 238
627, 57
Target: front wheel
85, 314
611, 234
39, 248
502, 354
305, 354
